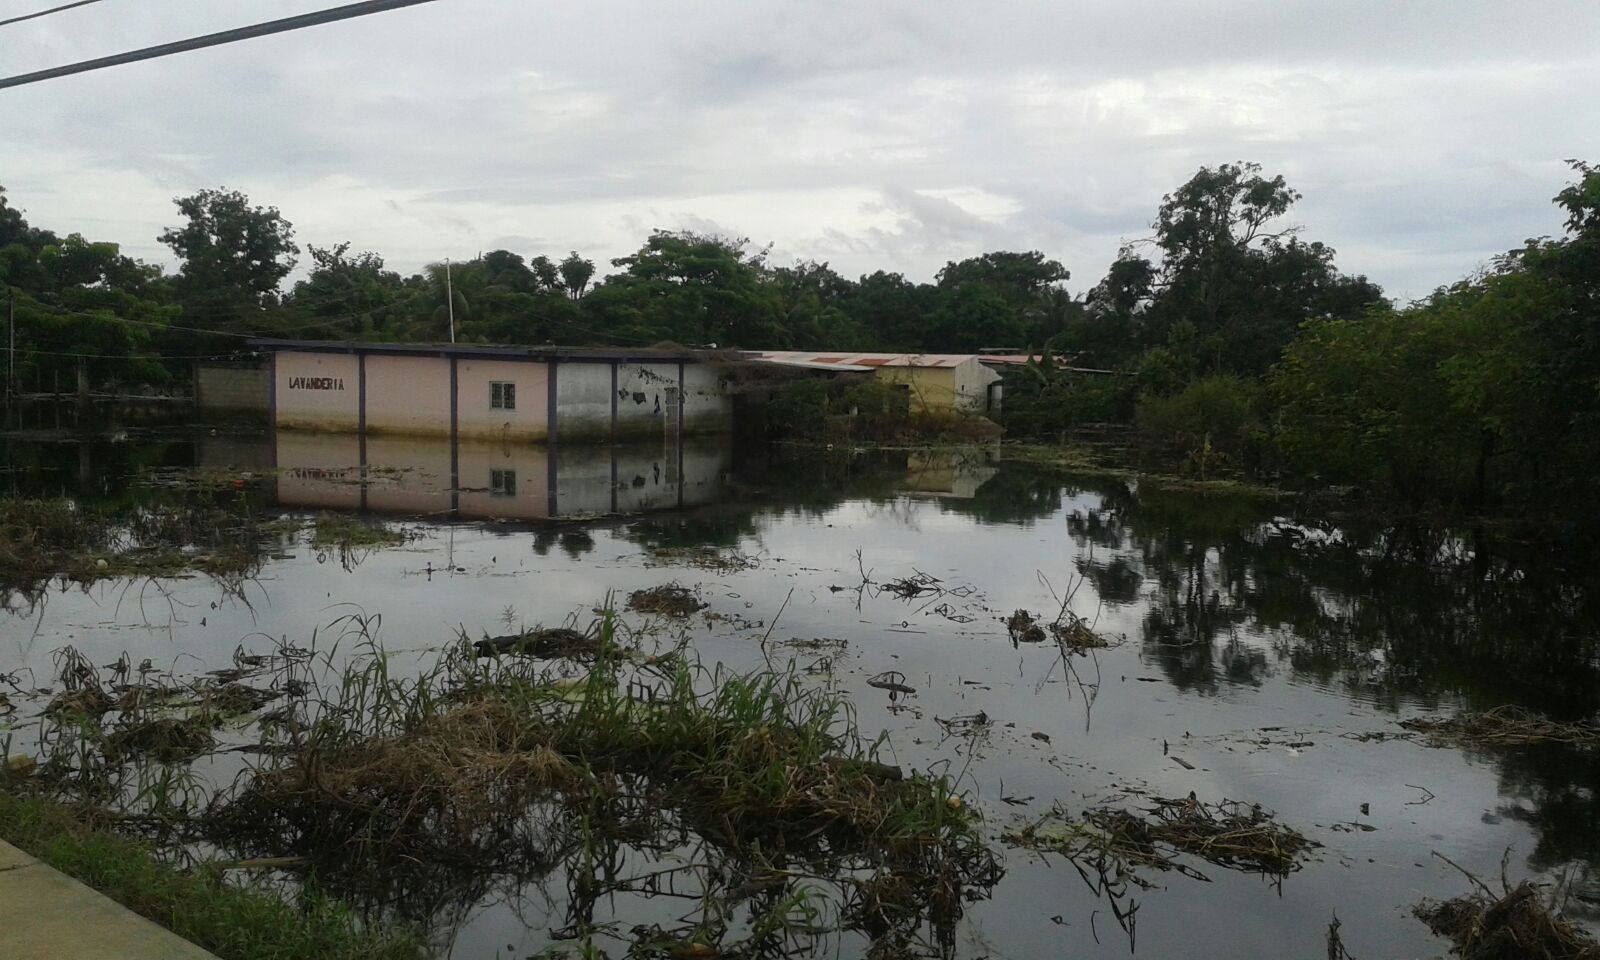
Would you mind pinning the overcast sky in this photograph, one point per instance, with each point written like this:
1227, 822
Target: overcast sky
1426, 135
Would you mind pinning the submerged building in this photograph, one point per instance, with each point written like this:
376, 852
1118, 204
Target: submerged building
492, 393
934, 382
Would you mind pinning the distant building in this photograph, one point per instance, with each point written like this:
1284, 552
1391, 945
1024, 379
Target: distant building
493, 393
967, 382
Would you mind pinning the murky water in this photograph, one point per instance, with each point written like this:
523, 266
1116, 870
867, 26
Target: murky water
1257, 649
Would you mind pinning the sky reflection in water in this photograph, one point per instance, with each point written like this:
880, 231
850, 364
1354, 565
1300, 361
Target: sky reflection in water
1236, 620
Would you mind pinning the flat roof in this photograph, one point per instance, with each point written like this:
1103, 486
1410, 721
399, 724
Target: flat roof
495, 351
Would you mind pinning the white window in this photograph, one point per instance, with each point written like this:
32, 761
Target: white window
502, 483
502, 395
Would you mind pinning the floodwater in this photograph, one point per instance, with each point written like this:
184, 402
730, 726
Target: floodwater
1257, 647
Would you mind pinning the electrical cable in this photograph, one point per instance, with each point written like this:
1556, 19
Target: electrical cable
316, 18
46, 13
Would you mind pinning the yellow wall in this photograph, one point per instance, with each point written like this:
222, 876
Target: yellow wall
932, 388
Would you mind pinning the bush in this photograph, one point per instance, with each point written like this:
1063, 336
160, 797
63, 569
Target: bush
1210, 422
839, 410
1056, 403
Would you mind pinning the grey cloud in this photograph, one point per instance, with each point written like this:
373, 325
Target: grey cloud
1425, 137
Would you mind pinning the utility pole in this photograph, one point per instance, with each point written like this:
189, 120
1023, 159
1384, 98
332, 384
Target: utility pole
11, 350
450, 299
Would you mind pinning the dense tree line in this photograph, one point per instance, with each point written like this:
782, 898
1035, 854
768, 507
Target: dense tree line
1230, 340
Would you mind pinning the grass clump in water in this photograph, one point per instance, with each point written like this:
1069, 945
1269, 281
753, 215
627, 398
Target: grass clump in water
342, 532
505, 764
1228, 834
42, 539
671, 600
1516, 925
1503, 726
199, 905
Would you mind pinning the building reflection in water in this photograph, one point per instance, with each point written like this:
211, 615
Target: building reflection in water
471, 480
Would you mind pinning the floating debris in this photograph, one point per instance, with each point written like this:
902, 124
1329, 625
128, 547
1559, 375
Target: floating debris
919, 584
169, 739
1508, 725
1070, 632
557, 643
670, 600
345, 532
237, 699
87, 702
701, 557
1229, 834
892, 681
1024, 628
1518, 925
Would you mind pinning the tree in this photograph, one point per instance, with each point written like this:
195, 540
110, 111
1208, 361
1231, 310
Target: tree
507, 269
353, 293
233, 253
997, 299
1106, 332
546, 275
1017, 276
576, 273
815, 299
692, 289
892, 310
1243, 282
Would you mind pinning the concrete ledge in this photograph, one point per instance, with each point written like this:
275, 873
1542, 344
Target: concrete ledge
47, 915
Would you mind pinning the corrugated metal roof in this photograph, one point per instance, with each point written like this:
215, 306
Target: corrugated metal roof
812, 364
505, 351
835, 360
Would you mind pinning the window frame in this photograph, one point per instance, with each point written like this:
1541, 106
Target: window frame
502, 395
502, 482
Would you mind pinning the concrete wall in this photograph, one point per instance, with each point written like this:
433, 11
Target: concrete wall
972, 381
707, 405
477, 420
317, 391
645, 395
932, 388
583, 401
408, 395
233, 387
596, 400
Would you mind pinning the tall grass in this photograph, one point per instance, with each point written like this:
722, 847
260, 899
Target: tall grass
200, 906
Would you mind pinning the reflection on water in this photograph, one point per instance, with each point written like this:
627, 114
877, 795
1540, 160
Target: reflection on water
411, 476
1249, 628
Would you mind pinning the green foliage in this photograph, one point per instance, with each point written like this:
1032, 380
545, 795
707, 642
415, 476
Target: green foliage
350, 295
1209, 422
1477, 397
1434, 404
838, 410
576, 273
691, 289
234, 255
1046, 399
199, 905
1230, 289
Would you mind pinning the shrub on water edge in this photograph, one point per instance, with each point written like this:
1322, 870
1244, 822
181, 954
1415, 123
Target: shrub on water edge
233, 922
1210, 423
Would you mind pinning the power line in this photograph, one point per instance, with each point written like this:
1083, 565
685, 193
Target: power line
284, 25
46, 13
